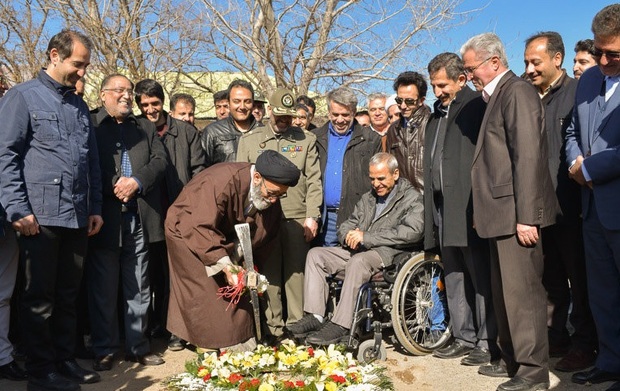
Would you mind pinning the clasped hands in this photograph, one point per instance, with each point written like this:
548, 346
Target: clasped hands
125, 188
354, 238
575, 172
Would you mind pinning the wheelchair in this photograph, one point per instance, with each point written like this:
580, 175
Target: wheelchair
408, 299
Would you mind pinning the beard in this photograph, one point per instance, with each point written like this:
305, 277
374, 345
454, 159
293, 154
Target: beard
258, 201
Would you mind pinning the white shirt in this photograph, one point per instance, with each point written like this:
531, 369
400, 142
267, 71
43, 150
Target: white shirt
489, 89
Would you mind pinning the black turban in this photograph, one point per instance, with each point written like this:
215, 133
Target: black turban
277, 168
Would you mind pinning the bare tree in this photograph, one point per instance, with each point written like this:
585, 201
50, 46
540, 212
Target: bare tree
320, 43
23, 38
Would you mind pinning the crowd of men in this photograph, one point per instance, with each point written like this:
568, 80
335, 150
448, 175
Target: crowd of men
512, 182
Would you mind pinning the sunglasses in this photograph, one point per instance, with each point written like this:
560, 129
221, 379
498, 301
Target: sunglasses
598, 53
408, 101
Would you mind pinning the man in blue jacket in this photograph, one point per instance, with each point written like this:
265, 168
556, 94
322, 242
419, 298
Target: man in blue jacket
51, 191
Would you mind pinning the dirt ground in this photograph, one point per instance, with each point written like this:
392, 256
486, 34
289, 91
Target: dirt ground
420, 373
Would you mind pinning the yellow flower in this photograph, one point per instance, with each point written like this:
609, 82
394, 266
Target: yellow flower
331, 386
266, 387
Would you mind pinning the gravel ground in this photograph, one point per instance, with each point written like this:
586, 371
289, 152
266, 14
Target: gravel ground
423, 373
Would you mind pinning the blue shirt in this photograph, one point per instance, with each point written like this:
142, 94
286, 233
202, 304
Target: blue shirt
48, 155
336, 147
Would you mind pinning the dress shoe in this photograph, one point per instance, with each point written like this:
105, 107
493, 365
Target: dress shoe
594, 376
175, 344
328, 334
614, 387
520, 384
73, 371
492, 370
454, 350
103, 363
145, 359
12, 371
53, 381
478, 356
576, 360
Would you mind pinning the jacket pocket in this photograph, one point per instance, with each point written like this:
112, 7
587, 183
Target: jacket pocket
44, 192
45, 126
504, 190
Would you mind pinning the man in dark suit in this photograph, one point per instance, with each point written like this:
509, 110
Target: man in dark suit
513, 198
563, 244
450, 141
592, 153
133, 163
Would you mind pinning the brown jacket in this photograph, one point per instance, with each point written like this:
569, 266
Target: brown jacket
510, 175
199, 231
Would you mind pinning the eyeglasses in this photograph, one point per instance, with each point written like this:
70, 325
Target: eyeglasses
470, 71
598, 53
408, 101
120, 91
271, 195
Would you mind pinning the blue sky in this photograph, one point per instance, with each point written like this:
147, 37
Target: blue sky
514, 21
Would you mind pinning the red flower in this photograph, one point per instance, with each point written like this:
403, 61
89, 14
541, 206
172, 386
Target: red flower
300, 383
338, 378
289, 384
244, 386
234, 378
311, 352
255, 382
206, 377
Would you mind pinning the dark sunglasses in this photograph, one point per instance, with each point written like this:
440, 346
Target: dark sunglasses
408, 101
598, 53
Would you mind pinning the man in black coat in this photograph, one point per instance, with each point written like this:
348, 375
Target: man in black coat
133, 163
450, 139
563, 244
345, 149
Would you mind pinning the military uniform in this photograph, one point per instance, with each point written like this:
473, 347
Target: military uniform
286, 262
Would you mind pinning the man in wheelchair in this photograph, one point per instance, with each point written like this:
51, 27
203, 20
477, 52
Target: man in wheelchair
387, 221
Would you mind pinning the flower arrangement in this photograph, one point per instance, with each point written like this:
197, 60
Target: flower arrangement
283, 368
243, 281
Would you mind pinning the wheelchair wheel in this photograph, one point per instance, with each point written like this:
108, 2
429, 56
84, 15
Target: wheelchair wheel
419, 308
366, 352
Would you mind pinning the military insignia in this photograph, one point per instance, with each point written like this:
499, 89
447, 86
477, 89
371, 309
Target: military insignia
287, 100
293, 155
262, 145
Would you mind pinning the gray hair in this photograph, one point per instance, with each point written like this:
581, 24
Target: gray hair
343, 96
384, 157
486, 45
606, 23
376, 95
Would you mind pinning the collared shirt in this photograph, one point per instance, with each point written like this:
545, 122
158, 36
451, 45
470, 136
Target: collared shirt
337, 145
611, 83
489, 89
553, 84
382, 202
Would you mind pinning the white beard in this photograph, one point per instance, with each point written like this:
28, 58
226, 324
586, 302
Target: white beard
258, 201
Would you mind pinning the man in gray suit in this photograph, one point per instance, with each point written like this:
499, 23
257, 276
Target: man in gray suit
592, 153
513, 198
450, 141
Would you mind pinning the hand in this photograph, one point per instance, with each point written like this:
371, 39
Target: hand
311, 228
527, 234
27, 226
125, 188
354, 238
94, 224
576, 172
231, 277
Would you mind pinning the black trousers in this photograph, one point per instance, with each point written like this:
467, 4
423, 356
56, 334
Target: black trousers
52, 263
